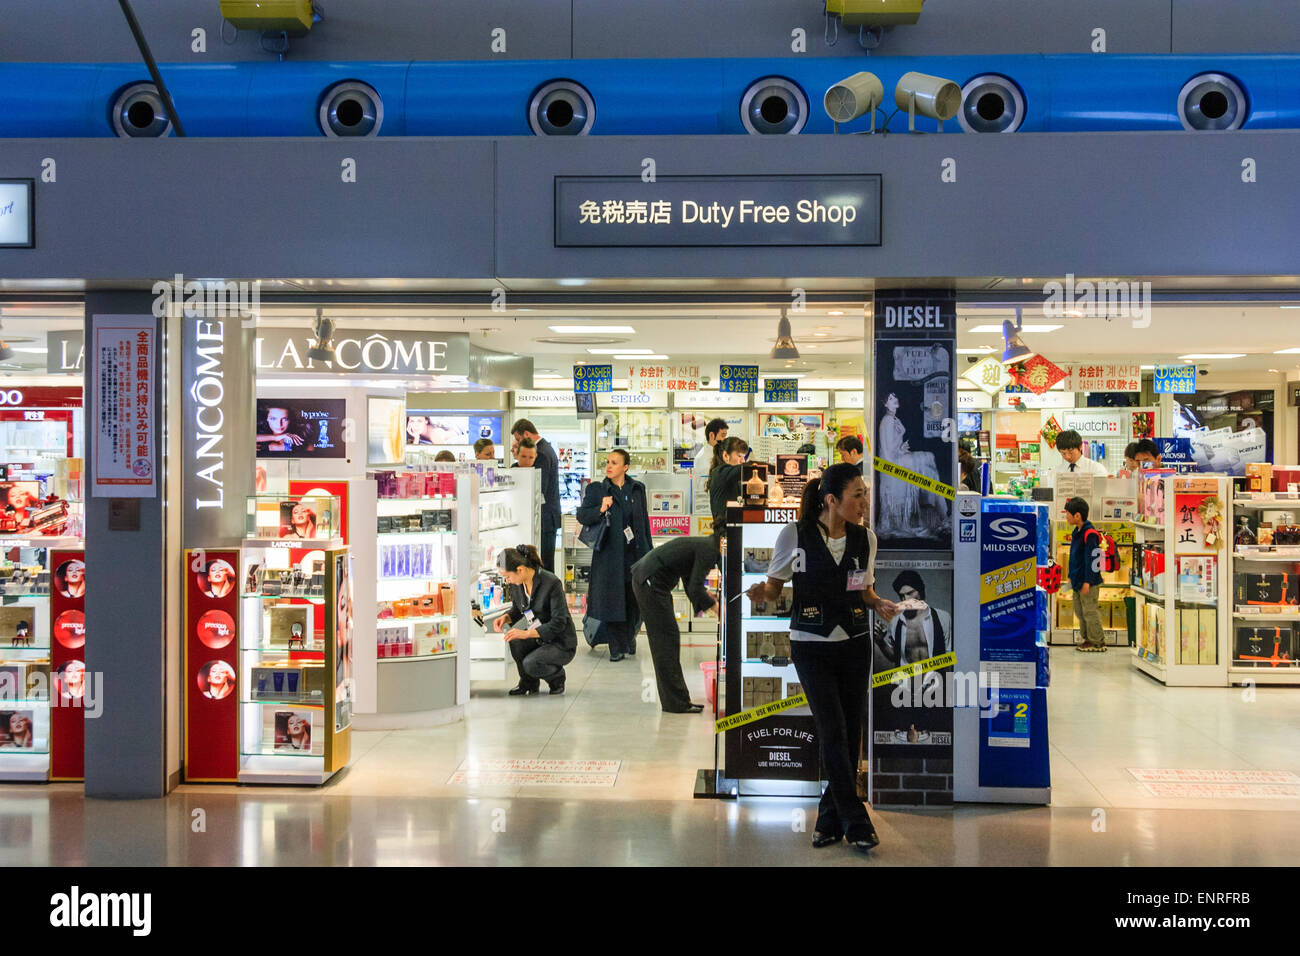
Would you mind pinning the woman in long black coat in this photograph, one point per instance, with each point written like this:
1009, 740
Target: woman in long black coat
609, 592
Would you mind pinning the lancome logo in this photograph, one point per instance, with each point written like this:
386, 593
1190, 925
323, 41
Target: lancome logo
373, 353
208, 390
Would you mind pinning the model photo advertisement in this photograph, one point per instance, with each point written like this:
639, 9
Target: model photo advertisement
301, 427
915, 340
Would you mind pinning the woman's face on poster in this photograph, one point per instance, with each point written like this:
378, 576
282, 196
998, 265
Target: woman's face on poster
891, 403
301, 513
277, 419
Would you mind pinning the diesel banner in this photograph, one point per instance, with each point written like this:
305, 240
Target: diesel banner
718, 211
913, 420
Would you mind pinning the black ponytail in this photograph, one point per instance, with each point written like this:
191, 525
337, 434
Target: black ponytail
521, 555
835, 480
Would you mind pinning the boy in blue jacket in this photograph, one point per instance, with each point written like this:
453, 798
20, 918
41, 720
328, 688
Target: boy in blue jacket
1086, 557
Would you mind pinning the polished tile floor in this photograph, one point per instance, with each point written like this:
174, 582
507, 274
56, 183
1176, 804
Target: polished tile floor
396, 805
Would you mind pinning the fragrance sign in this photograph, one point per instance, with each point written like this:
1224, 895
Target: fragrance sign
781, 390
738, 378
122, 433
593, 378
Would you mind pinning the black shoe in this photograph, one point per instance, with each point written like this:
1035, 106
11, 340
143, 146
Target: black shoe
826, 839
521, 691
557, 689
688, 709
615, 657
863, 837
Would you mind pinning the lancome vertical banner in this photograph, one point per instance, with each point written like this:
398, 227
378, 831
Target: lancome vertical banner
914, 434
217, 427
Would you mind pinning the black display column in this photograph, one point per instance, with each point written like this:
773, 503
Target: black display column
912, 410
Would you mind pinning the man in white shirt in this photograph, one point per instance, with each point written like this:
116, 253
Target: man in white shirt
714, 432
1070, 447
915, 635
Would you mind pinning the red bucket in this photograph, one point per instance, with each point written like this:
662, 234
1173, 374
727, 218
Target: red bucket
710, 669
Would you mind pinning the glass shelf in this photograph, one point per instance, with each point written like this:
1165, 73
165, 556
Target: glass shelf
415, 657
284, 650
306, 703
267, 515
6, 648
314, 598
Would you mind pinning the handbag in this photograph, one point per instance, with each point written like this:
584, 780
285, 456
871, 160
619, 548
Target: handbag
593, 535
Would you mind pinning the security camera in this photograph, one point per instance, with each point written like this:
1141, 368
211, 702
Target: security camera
705, 380
972, 359
1203, 371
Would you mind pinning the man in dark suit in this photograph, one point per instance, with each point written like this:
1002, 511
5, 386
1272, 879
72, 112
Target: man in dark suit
850, 449
689, 561
549, 463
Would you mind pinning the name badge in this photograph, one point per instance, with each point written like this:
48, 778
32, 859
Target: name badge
857, 581
529, 618
627, 533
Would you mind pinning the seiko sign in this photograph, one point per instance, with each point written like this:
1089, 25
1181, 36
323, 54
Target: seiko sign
371, 353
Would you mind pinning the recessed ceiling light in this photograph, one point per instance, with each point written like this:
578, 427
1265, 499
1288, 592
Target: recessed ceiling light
1291, 306
820, 335
1212, 355
1028, 329
584, 329
982, 350
824, 328
41, 351
638, 355
835, 312
1274, 371
766, 375
621, 351
1293, 351
1148, 368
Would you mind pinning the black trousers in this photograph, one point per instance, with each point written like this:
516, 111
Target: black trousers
546, 547
836, 676
665, 645
538, 661
622, 634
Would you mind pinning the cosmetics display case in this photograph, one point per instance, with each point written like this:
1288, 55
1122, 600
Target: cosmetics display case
42, 670
270, 686
502, 514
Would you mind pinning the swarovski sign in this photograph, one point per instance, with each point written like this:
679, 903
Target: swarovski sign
372, 353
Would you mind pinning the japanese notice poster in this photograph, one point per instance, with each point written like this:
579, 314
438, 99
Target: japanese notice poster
122, 432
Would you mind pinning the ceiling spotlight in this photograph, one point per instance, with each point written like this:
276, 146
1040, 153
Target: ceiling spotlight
322, 350
785, 347
6, 353
1016, 350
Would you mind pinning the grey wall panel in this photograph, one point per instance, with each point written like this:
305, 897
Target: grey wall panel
737, 28
259, 208
93, 31
1123, 204
1210, 26
1118, 203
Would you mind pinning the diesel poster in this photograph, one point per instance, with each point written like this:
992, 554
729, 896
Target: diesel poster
779, 747
912, 717
915, 432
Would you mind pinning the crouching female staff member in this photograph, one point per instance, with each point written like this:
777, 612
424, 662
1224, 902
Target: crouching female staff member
546, 640
831, 557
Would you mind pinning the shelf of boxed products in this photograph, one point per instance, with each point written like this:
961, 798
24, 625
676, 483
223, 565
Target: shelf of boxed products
1289, 553
1153, 596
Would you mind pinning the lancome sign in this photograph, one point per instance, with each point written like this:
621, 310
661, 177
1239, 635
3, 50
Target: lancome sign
366, 352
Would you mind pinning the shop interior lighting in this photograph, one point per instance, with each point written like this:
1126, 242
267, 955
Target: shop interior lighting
1294, 351
1212, 355
785, 347
588, 329
1015, 348
637, 352
322, 349
981, 350
1030, 329
639, 356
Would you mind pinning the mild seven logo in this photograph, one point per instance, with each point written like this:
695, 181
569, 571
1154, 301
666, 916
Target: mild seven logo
1008, 529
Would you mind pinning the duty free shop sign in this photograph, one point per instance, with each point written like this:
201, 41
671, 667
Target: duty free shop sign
831, 210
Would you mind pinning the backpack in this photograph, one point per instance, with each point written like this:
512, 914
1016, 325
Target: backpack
1109, 553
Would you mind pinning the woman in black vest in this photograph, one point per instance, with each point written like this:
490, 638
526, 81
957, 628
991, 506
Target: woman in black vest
541, 635
830, 557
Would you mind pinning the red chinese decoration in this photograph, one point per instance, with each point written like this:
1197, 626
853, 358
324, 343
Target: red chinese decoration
1037, 374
